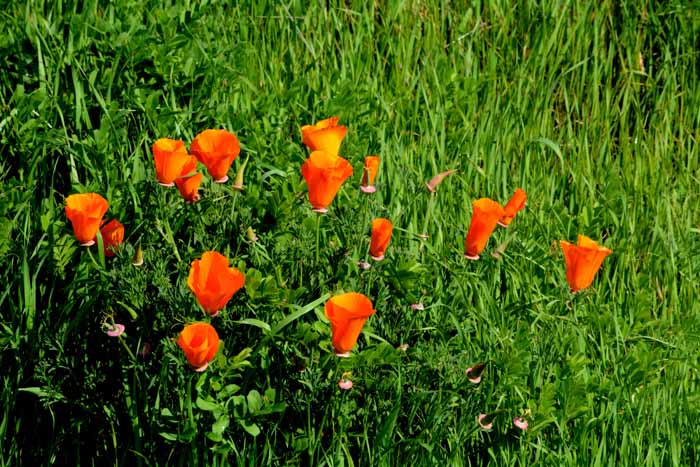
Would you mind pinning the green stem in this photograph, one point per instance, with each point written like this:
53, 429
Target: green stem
318, 234
131, 354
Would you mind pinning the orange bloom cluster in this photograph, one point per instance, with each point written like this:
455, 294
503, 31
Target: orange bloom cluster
485, 214
215, 149
85, 211
213, 282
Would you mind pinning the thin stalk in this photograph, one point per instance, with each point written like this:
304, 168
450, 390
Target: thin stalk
318, 234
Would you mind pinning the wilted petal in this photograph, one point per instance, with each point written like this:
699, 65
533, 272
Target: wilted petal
436, 180
521, 423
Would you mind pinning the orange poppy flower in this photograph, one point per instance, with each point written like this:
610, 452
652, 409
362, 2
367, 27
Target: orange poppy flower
381, 235
515, 204
369, 173
189, 184
324, 174
112, 236
347, 314
213, 282
200, 342
325, 135
216, 149
582, 261
85, 212
485, 215
170, 156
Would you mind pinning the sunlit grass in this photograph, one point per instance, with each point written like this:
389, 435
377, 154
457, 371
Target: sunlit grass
590, 107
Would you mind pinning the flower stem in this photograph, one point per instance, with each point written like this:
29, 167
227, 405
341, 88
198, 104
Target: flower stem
131, 354
318, 234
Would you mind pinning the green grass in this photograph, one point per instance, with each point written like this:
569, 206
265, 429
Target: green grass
591, 107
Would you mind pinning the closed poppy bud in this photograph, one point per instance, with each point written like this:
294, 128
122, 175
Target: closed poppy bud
188, 183
485, 215
381, 235
347, 314
199, 342
325, 135
324, 174
515, 204
216, 149
137, 260
85, 212
582, 261
170, 157
369, 173
213, 282
112, 236
238, 182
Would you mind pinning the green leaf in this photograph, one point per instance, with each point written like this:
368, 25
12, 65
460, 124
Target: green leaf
168, 436
254, 401
207, 405
220, 425
255, 322
251, 428
298, 314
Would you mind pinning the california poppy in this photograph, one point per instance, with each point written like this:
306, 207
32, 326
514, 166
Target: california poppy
324, 174
381, 235
188, 183
325, 135
515, 204
582, 261
369, 173
85, 212
213, 282
485, 215
112, 236
170, 157
200, 342
216, 149
347, 313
